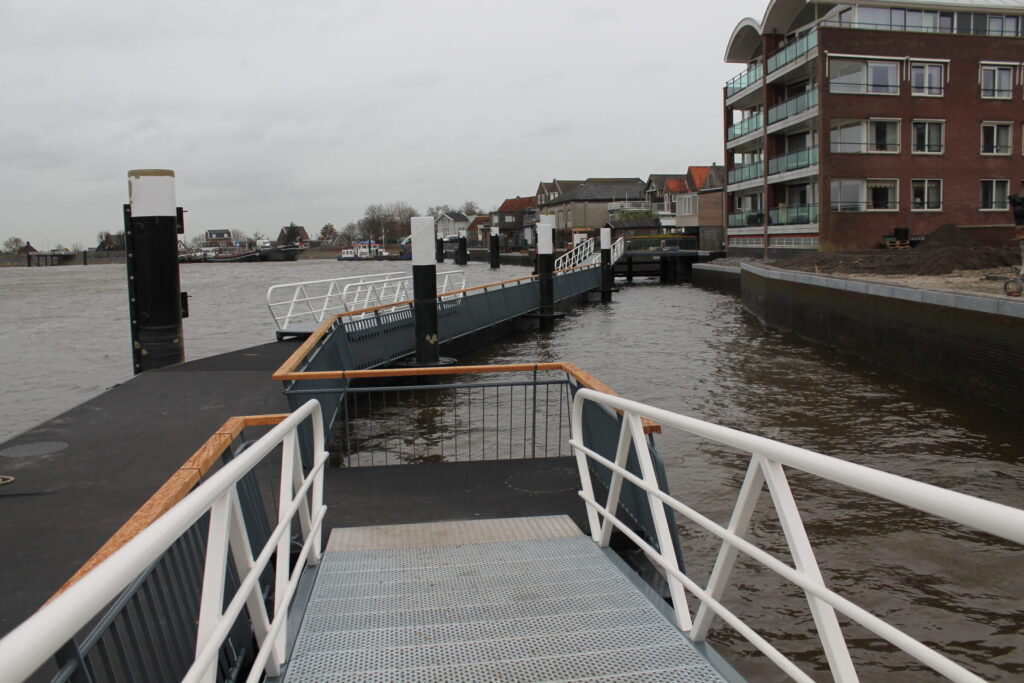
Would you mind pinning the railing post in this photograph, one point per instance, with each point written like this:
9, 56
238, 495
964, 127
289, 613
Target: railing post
495, 249
607, 276
545, 271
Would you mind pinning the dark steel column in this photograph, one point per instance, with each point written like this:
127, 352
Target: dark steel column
424, 292
461, 255
607, 276
495, 249
154, 289
545, 274
439, 250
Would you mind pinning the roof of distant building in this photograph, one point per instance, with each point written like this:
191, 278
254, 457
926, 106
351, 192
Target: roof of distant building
479, 221
456, 216
604, 190
517, 204
658, 180
676, 186
698, 175
715, 179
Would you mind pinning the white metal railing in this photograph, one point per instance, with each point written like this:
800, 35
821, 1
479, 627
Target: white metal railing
35, 641
314, 301
580, 255
767, 458
618, 249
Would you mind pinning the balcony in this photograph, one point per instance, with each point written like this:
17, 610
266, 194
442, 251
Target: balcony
628, 206
744, 80
793, 161
793, 106
747, 125
793, 215
743, 219
793, 51
747, 172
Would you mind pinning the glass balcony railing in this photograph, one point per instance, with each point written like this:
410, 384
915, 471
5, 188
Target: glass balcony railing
793, 106
744, 219
747, 125
793, 51
793, 215
793, 161
744, 80
747, 172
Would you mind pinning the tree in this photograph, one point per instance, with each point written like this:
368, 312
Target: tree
470, 208
328, 233
435, 211
239, 236
12, 245
292, 234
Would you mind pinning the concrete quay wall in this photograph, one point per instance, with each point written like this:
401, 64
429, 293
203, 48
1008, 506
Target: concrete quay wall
725, 279
970, 345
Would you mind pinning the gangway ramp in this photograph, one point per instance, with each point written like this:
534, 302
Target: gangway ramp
524, 599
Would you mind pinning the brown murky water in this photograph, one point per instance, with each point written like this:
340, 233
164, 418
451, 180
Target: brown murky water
64, 338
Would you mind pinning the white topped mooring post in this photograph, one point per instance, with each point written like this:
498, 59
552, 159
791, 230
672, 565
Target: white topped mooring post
424, 293
461, 253
495, 248
607, 275
152, 223
545, 272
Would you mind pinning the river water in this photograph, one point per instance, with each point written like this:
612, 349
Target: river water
65, 338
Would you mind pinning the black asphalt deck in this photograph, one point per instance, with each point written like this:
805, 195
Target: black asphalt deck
123, 444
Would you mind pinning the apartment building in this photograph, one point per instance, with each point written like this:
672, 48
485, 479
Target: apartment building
852, 122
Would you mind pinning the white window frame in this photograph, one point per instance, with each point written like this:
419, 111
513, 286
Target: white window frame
943, 70
993, 181
942, 140
869, 143
994, 67
865, 69
925, 208
1009, 142
896, 195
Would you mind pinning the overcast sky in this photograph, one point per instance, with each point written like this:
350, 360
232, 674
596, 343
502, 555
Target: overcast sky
309, 110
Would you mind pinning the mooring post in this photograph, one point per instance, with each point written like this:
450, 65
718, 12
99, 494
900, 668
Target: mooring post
495, 249
545, 272
154, 288
424, 291
439, 250
461, 254
607, 276
85, 257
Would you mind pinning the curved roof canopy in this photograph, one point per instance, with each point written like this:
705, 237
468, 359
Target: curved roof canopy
744, 41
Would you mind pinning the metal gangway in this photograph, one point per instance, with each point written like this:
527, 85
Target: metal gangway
585, 254
300, 307
514, 599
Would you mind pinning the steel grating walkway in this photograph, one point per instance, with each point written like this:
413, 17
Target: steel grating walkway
528, 599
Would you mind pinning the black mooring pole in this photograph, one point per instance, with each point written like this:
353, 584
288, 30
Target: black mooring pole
545, 272
461, 255
607, 275
439, 250
151, 231
495, 249
424, 295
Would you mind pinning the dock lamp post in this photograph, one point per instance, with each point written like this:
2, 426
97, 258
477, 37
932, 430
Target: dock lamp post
607, 276
156, 304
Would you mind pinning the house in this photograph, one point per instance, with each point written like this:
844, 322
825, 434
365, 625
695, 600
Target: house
292, 234
110, 242
850, 121
220, 239
478, 231
516, 219
549, 192
660, 191
27, 248
450, 225
587, 206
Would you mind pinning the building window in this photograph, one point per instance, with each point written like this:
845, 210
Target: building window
995, 138
927, 80
993, 195
864, 77
686, 204
856, 137
872, 194
926, 195
882, 195
996, 82
927, 137
510, 219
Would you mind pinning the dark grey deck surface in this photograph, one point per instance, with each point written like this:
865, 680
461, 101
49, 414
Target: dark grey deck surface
123, 444
528, 599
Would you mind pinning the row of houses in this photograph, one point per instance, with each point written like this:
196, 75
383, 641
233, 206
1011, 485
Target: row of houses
690, 203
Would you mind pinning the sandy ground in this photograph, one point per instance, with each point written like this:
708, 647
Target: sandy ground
969, 281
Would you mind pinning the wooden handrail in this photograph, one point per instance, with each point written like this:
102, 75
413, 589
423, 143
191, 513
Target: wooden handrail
184, 479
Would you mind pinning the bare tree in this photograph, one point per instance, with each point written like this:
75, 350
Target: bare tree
239, 236
435, 211
12, 245
470, 208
